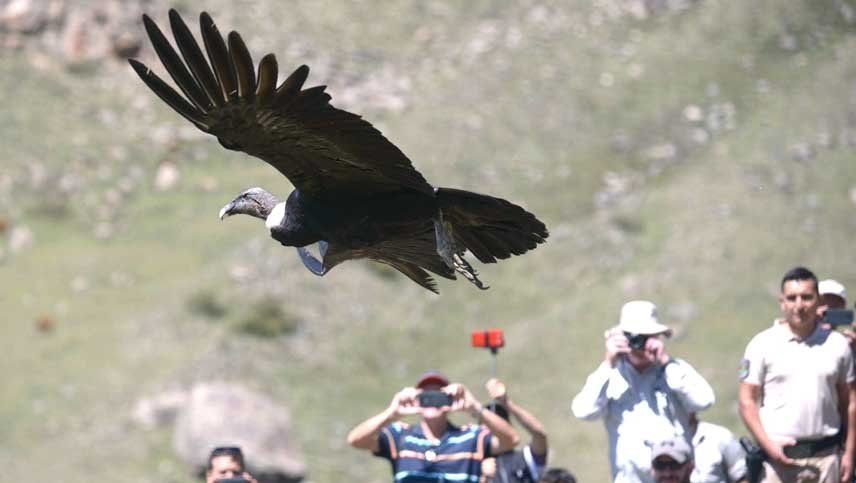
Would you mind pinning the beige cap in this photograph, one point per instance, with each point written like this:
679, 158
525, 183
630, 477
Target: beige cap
640, 317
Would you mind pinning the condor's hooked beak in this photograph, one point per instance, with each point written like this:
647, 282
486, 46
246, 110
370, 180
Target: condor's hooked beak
227, 210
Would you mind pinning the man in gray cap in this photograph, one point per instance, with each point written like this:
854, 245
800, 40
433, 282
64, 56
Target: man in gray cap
640, 392
671, 461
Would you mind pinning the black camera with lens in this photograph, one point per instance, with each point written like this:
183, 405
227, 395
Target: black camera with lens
235, 479
636, 341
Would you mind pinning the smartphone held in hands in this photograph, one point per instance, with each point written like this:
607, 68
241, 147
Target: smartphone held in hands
434, 399
838, 317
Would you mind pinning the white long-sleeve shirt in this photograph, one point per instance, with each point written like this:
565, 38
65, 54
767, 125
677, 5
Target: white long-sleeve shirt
639, 409
719, 458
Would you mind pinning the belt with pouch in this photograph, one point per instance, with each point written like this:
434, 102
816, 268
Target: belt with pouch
806, 449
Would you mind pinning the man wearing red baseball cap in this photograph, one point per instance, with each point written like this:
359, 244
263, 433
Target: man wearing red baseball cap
434, 449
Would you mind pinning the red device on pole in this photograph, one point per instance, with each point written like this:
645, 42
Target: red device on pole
491, 339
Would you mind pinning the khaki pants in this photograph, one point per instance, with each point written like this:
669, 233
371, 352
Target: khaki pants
822, 468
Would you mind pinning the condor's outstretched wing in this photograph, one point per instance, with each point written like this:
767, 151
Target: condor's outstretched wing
325, 152
412, 257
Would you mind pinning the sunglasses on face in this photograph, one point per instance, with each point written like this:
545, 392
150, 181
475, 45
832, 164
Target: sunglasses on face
661, 465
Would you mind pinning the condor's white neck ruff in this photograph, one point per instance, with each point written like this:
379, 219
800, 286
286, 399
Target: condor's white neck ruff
276, 216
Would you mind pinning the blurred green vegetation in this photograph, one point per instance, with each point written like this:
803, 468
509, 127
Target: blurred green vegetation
267, 318
689, 157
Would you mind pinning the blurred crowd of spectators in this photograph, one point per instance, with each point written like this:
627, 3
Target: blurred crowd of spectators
796, 396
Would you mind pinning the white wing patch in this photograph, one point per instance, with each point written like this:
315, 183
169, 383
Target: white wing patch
276, 217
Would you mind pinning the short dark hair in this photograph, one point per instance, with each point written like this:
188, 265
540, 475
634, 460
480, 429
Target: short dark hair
557, 475
799, 273
233, 452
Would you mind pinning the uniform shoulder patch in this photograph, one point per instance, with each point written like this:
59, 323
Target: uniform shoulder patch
743, 371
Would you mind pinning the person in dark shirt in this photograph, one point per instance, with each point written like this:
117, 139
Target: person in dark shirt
526, 464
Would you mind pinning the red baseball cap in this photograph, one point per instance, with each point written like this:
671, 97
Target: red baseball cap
431, 377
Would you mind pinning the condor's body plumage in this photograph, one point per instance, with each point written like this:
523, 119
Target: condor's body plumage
356, 194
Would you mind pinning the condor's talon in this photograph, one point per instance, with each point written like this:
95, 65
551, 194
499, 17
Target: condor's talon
452, 257
464, 268
310, 262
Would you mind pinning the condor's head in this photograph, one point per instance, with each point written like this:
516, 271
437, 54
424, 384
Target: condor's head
254, 202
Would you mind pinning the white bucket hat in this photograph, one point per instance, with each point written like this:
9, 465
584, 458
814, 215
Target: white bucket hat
640, 317
832, 287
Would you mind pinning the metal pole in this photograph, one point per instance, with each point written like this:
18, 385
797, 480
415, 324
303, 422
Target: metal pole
493, 351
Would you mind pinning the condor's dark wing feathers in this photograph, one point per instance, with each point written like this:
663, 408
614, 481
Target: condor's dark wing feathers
411, 256
324, 151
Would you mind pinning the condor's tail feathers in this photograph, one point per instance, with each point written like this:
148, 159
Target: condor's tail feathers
491, 228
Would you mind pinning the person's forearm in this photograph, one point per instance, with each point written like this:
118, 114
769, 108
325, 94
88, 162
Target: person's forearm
499, 428
751, 416
365, 434
691, 387
752, 420
532, 425
591, 400
850, 442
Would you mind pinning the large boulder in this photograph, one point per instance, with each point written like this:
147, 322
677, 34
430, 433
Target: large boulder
221, 414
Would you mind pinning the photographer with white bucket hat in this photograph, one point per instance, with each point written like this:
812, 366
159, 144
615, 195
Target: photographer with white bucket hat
640, 392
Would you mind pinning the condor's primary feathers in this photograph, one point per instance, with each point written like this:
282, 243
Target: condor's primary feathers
355, 194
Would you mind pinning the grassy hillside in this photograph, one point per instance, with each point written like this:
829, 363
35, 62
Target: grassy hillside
688, 156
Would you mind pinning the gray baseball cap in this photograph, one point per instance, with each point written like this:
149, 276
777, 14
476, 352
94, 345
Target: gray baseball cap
675, 448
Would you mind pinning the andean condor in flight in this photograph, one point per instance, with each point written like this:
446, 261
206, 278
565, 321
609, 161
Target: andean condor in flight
355, 193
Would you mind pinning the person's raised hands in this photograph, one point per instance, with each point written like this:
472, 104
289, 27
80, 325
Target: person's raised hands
405, 402
616, 346
462, 399
496, 390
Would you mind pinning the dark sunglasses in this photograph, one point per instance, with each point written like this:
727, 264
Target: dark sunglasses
661, 465
636, 341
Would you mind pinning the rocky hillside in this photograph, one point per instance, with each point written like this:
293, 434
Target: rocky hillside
688, 152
